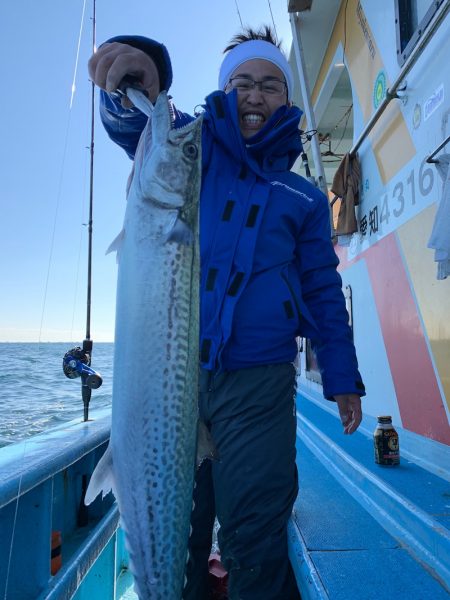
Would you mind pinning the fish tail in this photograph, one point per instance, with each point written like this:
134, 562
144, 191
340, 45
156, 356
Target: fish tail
102, 479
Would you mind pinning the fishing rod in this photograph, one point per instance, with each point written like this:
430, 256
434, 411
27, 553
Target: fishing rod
77, 361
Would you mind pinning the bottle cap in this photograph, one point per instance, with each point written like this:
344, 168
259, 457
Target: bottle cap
385, 419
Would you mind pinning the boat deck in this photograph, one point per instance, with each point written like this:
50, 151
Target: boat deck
357, 530
361, 530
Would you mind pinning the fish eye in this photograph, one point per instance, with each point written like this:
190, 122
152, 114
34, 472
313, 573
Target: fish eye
190, 150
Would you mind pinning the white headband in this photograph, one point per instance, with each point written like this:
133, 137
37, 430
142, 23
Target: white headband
249, 51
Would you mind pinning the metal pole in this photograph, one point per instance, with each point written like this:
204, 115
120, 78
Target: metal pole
91, 195
307, 104
431, 158
87, 342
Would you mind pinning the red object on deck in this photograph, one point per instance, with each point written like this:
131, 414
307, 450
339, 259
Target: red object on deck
218, 578
55, 563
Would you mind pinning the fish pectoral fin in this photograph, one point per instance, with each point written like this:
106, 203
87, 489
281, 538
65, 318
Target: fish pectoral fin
205, 445
102, 479
116, 244
181, 233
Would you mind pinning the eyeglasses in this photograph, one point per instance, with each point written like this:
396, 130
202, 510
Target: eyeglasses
271, 87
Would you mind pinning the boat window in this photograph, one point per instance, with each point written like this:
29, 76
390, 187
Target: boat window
412, 18
335, 127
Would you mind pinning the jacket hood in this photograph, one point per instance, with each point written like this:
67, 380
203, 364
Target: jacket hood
274, 148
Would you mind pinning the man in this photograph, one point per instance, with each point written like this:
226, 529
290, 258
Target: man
268, 275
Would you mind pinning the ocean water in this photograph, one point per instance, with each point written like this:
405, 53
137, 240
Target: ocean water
35, 395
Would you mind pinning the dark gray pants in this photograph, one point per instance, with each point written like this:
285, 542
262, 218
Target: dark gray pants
251, 488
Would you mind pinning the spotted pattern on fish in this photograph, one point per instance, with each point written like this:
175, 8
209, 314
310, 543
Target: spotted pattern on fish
155, 385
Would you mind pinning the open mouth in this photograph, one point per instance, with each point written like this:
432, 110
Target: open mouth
253, 120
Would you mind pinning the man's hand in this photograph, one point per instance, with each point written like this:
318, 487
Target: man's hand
112, 62
350, 411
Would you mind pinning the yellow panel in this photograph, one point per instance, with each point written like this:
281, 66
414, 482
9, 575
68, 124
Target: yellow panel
388, 136
363, 58
433, 296
364, 63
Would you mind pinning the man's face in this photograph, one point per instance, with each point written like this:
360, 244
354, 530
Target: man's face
255, 106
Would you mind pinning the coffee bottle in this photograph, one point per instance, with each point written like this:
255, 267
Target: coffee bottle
386, 444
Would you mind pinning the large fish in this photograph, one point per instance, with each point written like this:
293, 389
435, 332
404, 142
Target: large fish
150, 460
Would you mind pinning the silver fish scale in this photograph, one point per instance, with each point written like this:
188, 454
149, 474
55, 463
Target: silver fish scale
155, 388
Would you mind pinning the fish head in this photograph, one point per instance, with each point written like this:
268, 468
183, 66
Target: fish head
170, 172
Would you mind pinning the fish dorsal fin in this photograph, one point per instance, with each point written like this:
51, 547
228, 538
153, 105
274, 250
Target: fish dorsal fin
161, 120
116, 244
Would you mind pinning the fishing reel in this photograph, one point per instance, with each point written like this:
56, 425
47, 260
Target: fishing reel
76, 363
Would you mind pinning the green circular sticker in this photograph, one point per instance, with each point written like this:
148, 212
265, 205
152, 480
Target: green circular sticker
379, 89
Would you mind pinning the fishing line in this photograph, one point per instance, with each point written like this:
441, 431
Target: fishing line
80, 243
60, 181
273, 21
16, 510
78, 54
79, 251
55, 219
239, 14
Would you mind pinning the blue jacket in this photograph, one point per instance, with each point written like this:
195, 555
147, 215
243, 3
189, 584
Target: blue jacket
268, 267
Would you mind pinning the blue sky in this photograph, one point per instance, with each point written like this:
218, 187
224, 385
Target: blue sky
44, 160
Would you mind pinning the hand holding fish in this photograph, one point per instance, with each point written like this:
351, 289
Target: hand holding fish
114, 61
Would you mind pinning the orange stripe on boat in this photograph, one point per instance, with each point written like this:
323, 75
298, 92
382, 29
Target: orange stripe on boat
418, 395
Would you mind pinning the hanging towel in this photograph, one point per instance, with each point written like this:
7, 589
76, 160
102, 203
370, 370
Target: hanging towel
440, 235
346, 187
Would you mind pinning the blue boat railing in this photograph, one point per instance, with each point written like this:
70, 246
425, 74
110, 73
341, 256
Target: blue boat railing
41, 487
